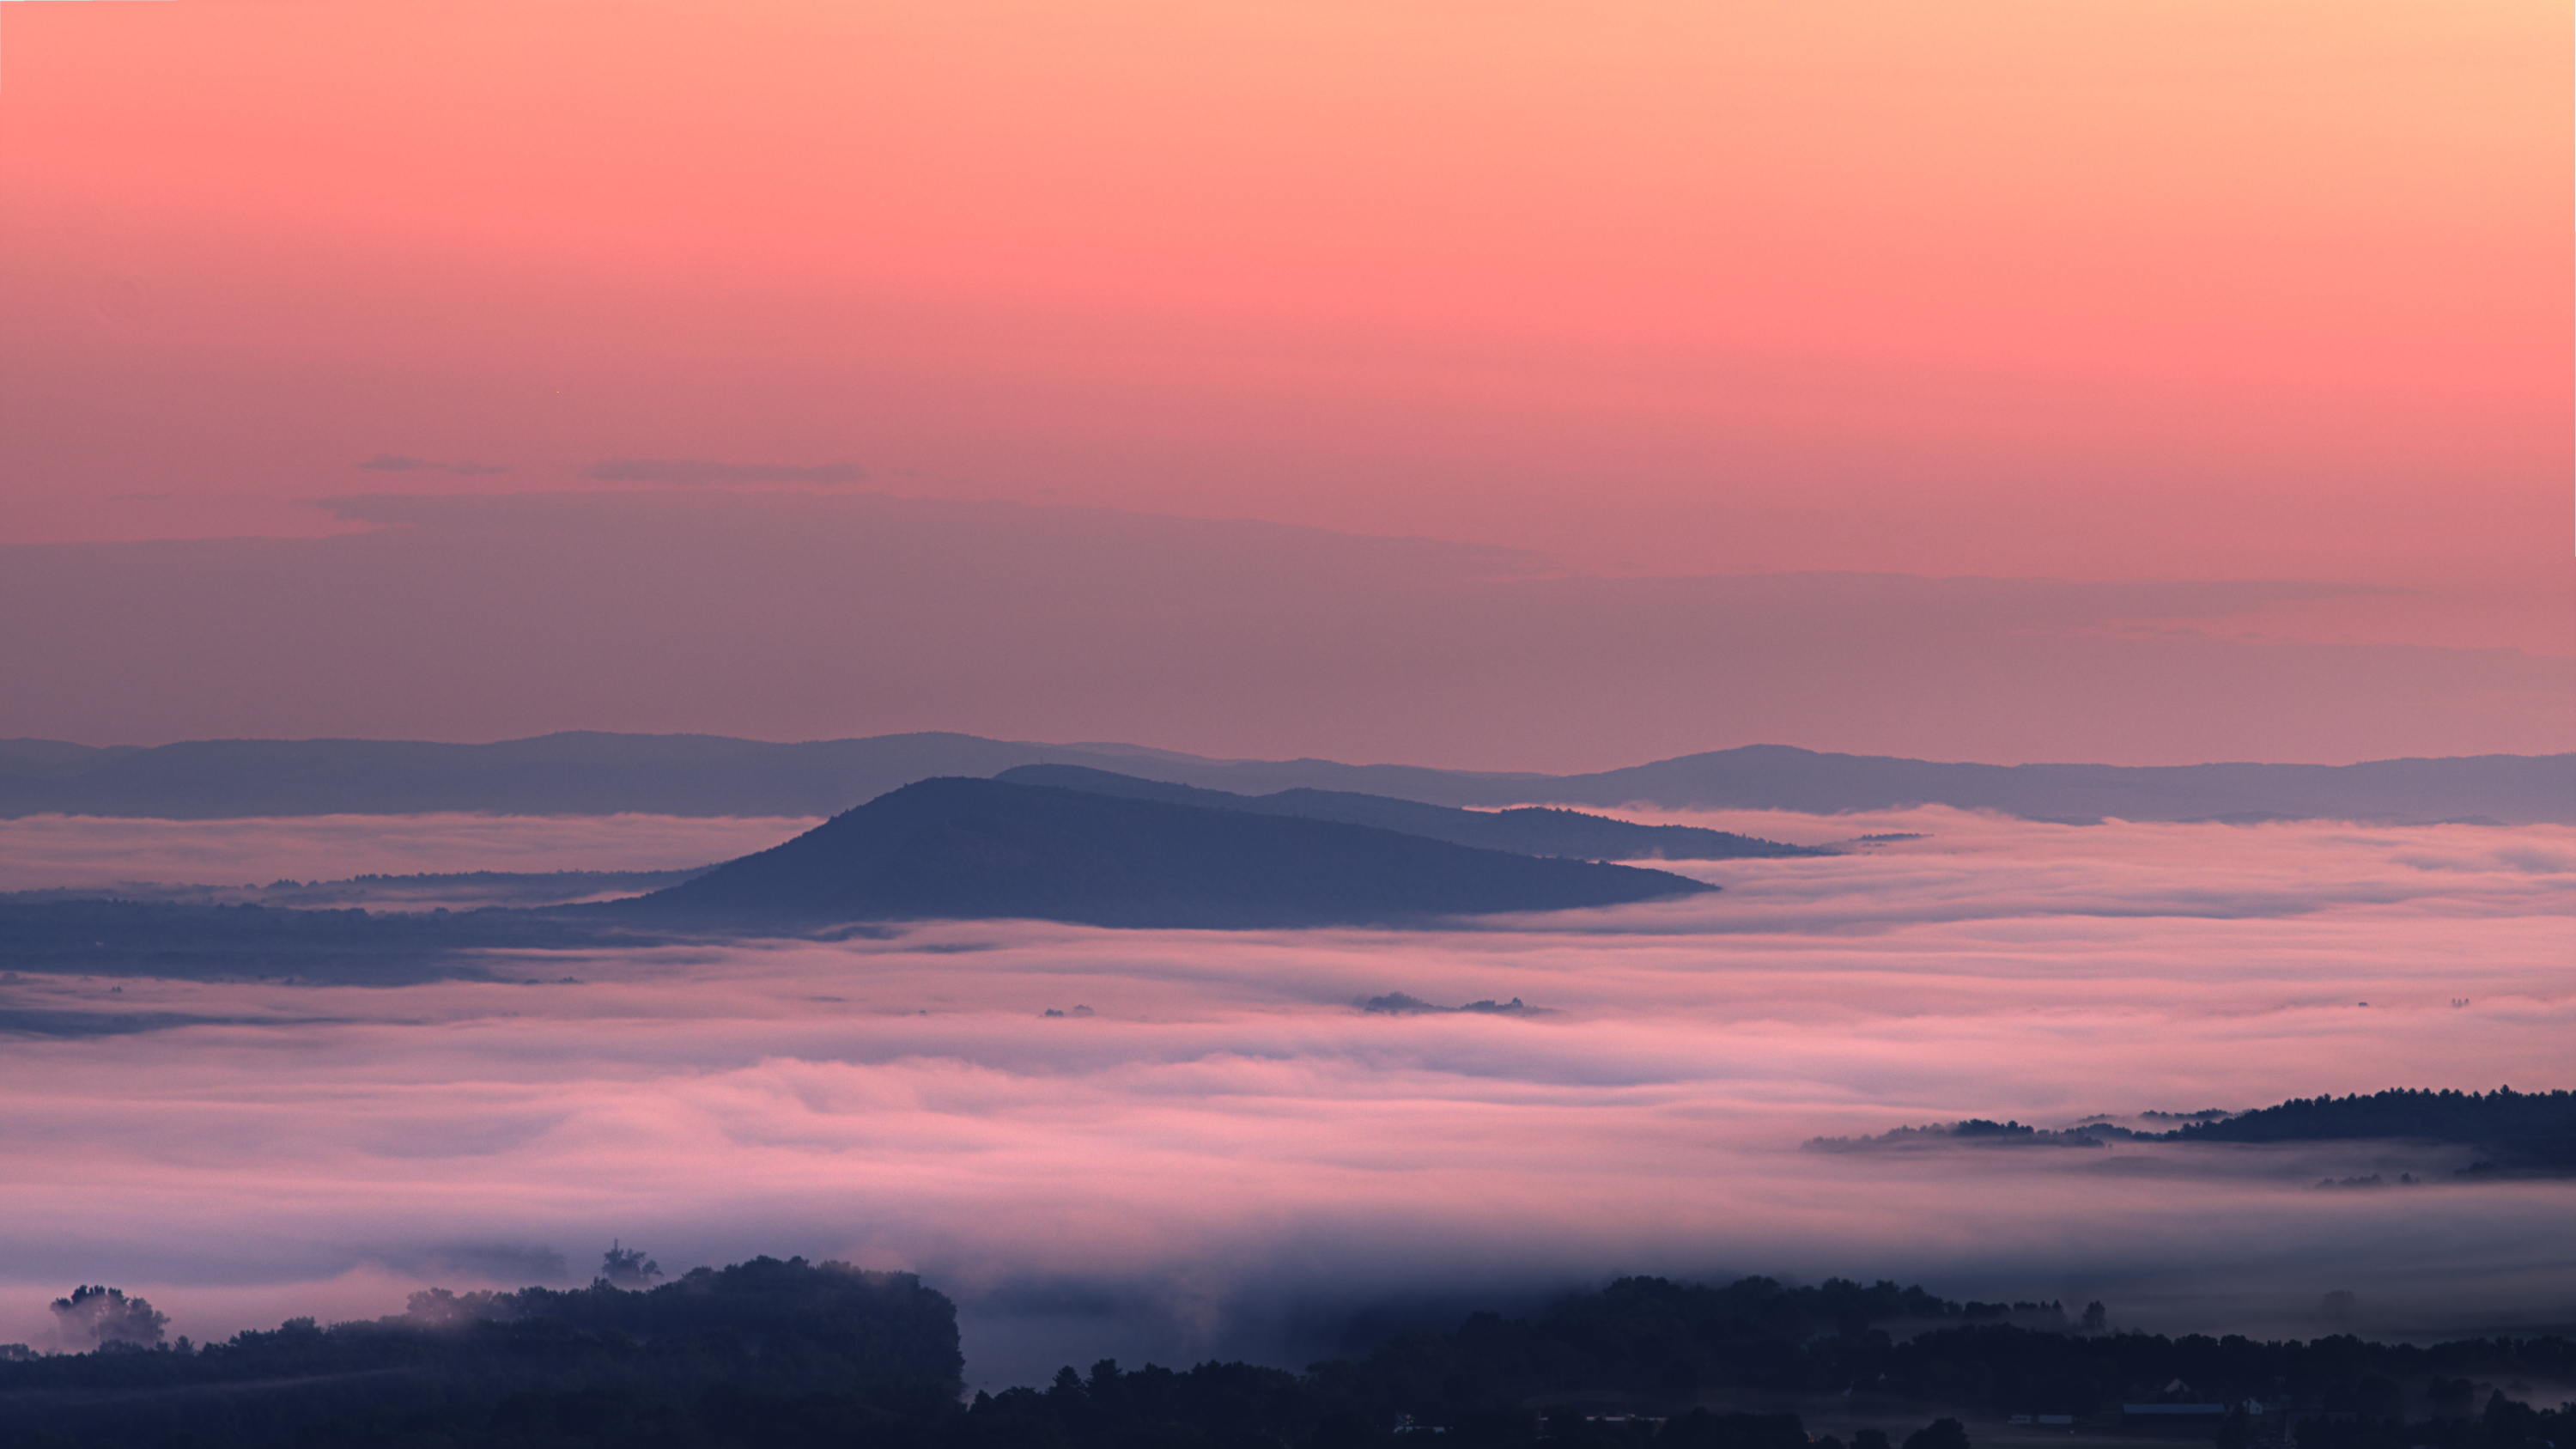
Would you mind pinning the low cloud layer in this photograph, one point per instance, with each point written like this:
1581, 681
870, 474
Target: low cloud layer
695, 471
404, 463
1227, 1155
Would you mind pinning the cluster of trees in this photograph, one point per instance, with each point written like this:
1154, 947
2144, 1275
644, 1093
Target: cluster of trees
2516, 1133
1976, 1131
788, 1354
712, 1347
2520, 1132
104, 1317
2505, 1424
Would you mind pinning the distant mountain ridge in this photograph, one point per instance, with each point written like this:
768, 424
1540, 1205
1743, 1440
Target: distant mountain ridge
1529, 830
583, 773
964, 849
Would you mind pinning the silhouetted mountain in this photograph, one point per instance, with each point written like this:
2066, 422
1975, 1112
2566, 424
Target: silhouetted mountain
973, 849
948, 847
1530, 830
591, 774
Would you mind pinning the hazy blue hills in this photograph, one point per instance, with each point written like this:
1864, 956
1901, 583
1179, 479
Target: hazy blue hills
1530, 830
978, 849
585, 773
575, 773
947, 848
2497, 789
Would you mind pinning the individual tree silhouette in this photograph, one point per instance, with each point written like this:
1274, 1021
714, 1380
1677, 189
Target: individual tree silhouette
105, 1317
626, 1267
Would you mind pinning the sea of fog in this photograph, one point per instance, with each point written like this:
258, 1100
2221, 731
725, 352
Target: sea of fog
1214, 1151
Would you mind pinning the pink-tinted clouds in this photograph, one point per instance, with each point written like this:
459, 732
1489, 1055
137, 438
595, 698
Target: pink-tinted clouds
1225, 1154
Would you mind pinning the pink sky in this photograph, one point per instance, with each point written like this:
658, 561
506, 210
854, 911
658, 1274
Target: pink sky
2130, 291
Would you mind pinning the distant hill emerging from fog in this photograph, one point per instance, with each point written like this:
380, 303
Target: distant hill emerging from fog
948, 848
2518, 1131
1530, 830
706, 775
979, 849
2515, 1133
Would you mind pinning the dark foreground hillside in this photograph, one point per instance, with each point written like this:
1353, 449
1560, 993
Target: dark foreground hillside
772, 1355
498, 1368
979, 849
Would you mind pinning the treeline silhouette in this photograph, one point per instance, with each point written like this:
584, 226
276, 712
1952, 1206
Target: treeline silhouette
2517, 1134
789, 1354
2519, 1131
693, 1361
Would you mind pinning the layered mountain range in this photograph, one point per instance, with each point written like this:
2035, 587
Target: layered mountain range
584, 773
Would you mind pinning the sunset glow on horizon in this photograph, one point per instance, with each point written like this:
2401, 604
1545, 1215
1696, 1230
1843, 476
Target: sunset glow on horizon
2122, 291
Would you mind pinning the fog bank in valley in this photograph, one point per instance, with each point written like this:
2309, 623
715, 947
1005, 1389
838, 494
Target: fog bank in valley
1216, 1151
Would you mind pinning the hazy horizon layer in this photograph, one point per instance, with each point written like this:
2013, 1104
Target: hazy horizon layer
40, 852
1226, 1156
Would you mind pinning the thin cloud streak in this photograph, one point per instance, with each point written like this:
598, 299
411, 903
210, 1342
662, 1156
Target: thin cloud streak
1229, 1156
699, 471
404, 463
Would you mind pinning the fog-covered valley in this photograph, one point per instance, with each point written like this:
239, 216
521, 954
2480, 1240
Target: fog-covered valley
1215, 1150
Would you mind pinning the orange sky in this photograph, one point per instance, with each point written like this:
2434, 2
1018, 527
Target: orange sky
2151, 290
